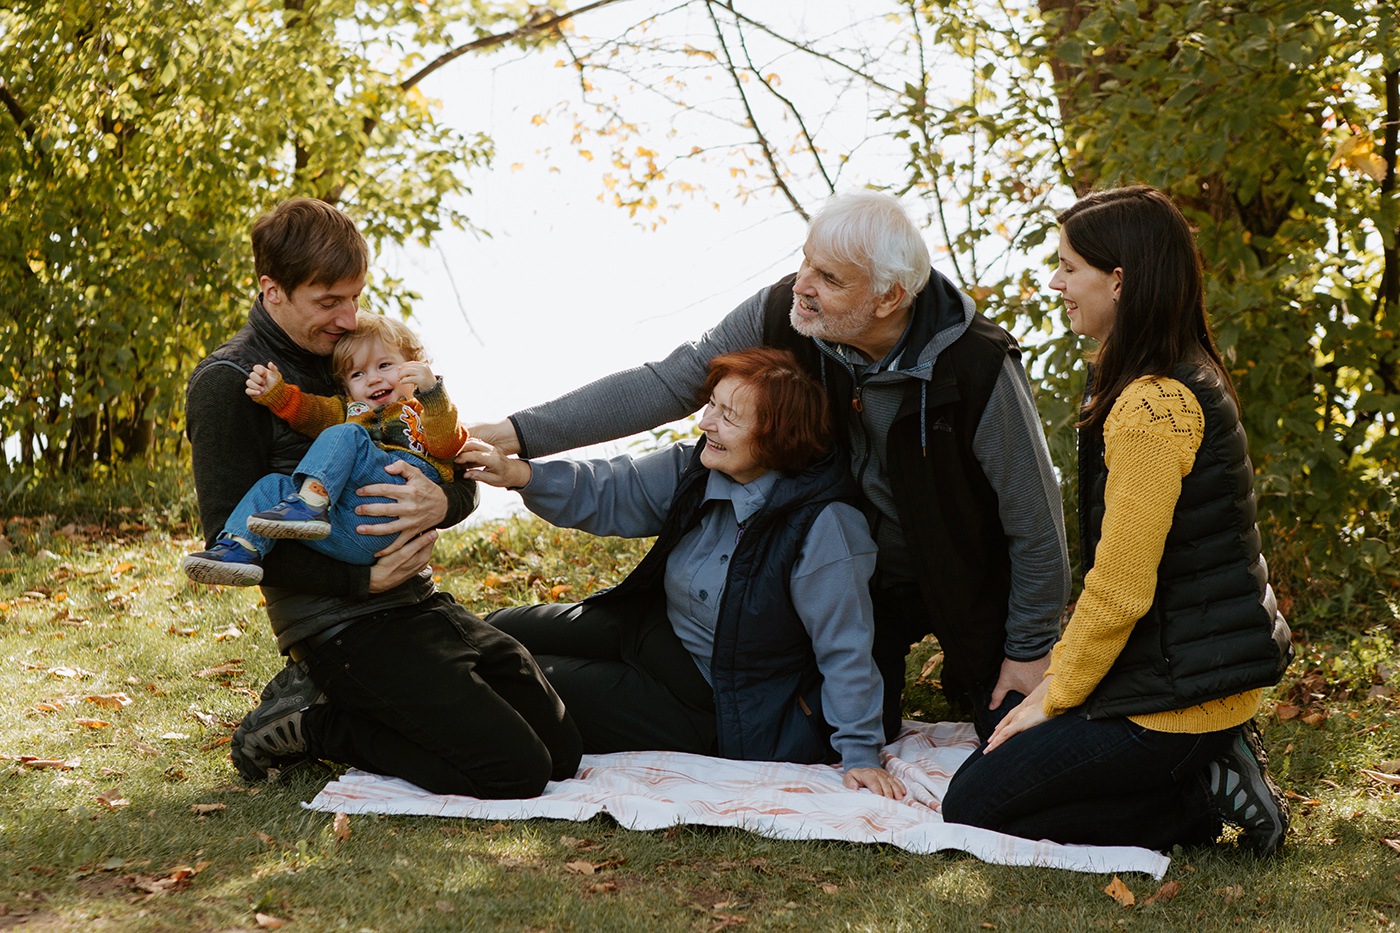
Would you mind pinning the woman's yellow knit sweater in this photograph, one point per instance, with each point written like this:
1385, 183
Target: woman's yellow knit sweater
1150, 441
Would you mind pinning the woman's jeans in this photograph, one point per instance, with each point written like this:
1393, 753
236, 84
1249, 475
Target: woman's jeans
1096, 782
342, 458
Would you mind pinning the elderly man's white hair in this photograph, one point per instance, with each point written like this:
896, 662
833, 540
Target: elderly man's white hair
871, 230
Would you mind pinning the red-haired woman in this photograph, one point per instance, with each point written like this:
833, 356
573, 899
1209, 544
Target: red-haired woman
745, 632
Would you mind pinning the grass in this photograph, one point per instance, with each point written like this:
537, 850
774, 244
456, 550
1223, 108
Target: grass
142, 824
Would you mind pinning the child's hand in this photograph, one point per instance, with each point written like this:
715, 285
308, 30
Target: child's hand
492, 467
263, 379
417, 374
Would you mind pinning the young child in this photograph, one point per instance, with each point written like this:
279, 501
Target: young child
394, 408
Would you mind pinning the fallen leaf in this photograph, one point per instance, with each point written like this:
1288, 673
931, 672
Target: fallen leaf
231, 668
57, 764
49, 706
1380, 777
93, 723
174, 735
109, 700
1305, 801
232, 631
1390, 766
74, 672
1119, 892
1166, 892
603, 887
580, 867
112, 798
1232, 893
559, 589
265, 839
269, 922
341, 826
1286, 711
183, 632
829, 888
204, 808
1315, 719
123, 567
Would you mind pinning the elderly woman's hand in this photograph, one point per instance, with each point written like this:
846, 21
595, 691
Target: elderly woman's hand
491, 466
877, 780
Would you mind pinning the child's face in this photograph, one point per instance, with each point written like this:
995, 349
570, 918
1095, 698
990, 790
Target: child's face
373, 376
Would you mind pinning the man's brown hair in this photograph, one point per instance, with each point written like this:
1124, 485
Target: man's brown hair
305, 240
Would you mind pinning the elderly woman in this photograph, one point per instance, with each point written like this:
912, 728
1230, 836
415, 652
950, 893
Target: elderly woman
746, 630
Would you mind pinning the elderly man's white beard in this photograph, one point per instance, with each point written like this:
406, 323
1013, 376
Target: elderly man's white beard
847, 328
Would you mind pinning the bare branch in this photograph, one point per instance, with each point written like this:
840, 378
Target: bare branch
534, 27
753, 119
810, 51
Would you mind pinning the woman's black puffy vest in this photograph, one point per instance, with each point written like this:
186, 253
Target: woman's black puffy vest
767, 687
1213, 629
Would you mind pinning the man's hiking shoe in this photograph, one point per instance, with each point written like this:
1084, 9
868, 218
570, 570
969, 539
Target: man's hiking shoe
227, 562
292, 518
1244, 794
271, 736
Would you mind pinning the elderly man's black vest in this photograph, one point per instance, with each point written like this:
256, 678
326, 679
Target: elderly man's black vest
767, 687
1213, 629
947, 508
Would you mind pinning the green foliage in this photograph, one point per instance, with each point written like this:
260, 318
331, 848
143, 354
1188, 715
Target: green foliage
1265, 121
139, 145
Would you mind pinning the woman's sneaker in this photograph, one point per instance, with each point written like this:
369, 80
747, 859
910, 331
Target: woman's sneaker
293, 517
227, 563
272, 735
1243, 793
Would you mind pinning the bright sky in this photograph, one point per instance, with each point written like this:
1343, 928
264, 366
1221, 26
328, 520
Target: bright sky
567, 289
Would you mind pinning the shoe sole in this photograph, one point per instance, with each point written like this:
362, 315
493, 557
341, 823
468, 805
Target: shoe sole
296, 531
222, 573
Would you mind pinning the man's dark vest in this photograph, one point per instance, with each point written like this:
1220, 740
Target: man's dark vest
947, 508
767, 687
1213, 629
295, 616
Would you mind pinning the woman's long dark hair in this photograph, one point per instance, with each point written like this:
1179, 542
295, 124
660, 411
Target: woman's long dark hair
1161, 316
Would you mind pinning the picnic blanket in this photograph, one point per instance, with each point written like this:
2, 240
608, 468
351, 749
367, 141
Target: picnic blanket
657, 790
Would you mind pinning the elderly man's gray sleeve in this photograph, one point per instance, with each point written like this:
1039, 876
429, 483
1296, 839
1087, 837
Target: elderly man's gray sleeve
637, 399
1010, 446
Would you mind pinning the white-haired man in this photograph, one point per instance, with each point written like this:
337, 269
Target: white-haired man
932, 403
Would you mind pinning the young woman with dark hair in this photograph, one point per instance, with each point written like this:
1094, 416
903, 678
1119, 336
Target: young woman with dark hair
746, 630
1142, 732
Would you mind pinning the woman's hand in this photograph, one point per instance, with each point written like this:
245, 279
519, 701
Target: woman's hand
1027, 715
415, 507
491, 466
261, 379
877, 780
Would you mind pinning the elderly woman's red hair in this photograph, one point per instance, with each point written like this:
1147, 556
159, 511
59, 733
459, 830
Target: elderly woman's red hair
792, 427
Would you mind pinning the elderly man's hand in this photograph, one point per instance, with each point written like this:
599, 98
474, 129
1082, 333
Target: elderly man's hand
415, 507
488, 465
1021, 676
499, 434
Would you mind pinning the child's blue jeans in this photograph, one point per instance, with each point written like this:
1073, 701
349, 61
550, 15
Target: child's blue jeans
342, 458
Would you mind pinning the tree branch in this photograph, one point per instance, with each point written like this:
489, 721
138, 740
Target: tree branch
16, 111
753, 119
545, 24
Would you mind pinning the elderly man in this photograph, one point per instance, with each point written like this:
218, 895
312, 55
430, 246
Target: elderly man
418, 687
934, 408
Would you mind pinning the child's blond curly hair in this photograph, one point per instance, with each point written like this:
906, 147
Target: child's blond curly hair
369, 326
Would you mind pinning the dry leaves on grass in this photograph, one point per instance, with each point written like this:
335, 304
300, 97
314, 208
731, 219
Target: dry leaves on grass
179, 877
204, 809
109, 700
1392, 843
57, 764
340, 827
269, 922
1120, 892
1382, 777
112, 798
230, 668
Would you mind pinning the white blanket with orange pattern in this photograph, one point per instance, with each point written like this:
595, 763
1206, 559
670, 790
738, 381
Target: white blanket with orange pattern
656, 790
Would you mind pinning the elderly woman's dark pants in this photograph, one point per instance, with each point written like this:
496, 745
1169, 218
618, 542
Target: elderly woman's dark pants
626, 679
432, 694
1092, 782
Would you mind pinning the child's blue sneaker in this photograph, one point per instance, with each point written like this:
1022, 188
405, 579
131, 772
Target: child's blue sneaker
227, 562
292, 518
